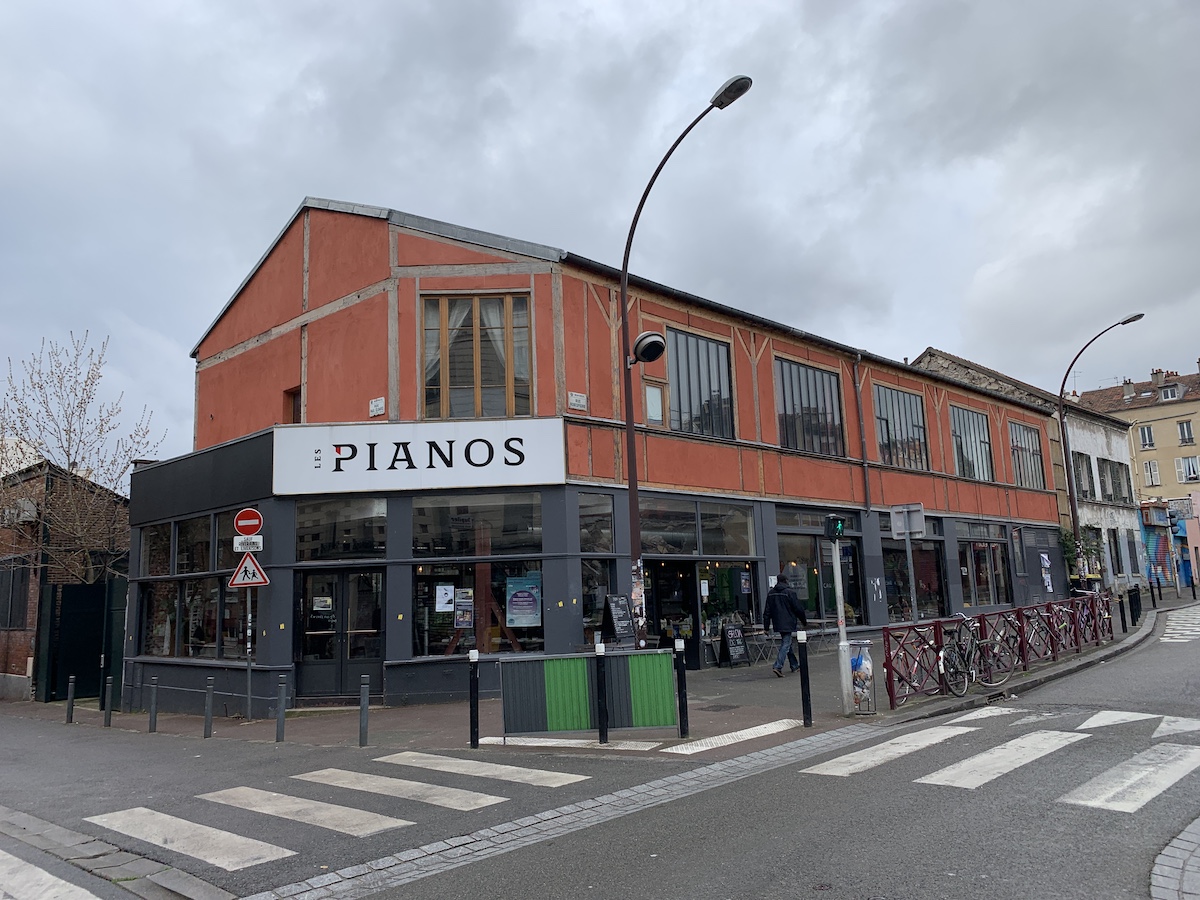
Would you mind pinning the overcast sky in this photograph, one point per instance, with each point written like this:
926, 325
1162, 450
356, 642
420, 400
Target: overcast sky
997, 179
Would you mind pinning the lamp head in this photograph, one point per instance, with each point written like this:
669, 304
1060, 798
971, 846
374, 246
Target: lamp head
731, 90
648, 346
1133, 318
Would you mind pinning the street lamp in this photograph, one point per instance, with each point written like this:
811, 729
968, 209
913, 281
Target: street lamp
649, 347
1066, 444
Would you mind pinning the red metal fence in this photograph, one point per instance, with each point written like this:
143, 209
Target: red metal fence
1035, 633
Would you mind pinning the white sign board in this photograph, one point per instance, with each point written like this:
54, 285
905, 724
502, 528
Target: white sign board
908, 520
252, 543
393, 456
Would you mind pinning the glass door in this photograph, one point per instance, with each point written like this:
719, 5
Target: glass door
339, 633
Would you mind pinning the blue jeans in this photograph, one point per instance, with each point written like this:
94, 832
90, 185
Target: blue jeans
786, 652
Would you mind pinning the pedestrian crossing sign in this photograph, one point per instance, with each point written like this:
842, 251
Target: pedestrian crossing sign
249, 574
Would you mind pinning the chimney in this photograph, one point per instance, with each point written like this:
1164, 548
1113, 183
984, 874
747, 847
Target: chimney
1198, 364
1156, 377
1129, 390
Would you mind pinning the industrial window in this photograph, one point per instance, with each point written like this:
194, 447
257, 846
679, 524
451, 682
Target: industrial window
701, 387
1187, 469
972, 444
1146, 433
808, 403
14, 593
1085, 482
900, 423
1150, 472
1027, 455
1185, 432
477, 357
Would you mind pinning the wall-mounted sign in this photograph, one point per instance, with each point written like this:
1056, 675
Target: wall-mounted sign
391, 456
249, 543
376, 407
576, 400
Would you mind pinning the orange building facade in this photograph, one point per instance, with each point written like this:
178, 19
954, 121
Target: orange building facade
431, 420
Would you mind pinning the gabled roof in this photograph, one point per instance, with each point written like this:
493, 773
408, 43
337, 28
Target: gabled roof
555, 255
1145, 394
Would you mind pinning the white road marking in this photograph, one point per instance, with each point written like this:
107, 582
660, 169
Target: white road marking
433, 794
734, 737
356, 822
538, 777
1175, 725
25, 881
1113, 717
573, 743
1134, 783
991, 764
1182, 627
861, 760
211, 845
986, 712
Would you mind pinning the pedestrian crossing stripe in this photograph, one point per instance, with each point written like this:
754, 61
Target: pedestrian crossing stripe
21, 880
733, 737
223, 849
354, 822
1134, 783
422, 792
989, 765
862, 760
986, 712
1176, 725
1114, 717
455, 766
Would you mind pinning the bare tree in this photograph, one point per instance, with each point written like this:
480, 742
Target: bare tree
65, 461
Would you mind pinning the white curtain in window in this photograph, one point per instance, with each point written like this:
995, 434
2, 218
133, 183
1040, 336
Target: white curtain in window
491, 318
458, 314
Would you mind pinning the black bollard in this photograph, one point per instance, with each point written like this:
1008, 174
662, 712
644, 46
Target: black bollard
1153, 602
601, 695
280, 707
805, 686
153, 704
70, 699
208, 703
108, 689
1193, 582
681, 687
364, 701
473, 681
1121, 609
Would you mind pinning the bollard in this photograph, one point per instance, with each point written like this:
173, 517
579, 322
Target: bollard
1193, 584
208, 703
473, 679
153, 704
601, 695
71, 700
108, 689
681, 687
805, 686
280, 707
364, 700
1121, 609
1153, 602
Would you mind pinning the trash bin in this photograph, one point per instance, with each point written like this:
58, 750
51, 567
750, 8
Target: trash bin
1134, 595
862, 671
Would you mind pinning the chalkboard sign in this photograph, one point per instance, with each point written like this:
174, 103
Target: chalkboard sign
618, 620
733, 646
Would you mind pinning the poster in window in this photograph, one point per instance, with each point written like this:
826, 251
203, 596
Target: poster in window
523, 607
444, 598
464, 607
1045, 558
746, 583
322, 604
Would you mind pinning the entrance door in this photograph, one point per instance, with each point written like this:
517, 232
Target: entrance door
340, 633
675, 607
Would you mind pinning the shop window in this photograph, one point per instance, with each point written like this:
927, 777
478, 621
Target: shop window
156, 549
599, 580
726, 529
1026, 442
159, 615
900, 424
14, 593
595, 523
795, 517
930, 583
1085, 482
701, 387
201, 606
984, 569
494, 607
808, 404
233, 621
726, 595
972, 444
193, 545
668, 525
226, 557
350, 528
807, 561
477, 524
477, 357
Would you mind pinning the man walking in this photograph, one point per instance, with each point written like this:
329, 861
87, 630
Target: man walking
783, 609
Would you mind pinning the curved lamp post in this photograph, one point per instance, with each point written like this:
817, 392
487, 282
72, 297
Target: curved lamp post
1068, 463
647, 348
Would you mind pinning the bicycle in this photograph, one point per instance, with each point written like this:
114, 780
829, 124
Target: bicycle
921, 675
968, 659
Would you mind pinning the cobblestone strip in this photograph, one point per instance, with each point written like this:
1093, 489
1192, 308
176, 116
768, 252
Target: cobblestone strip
441, 856
1176, 872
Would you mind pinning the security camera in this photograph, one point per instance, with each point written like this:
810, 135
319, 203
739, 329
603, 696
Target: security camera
649, 346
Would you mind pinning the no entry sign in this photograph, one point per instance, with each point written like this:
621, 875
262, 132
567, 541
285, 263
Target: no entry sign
248, 522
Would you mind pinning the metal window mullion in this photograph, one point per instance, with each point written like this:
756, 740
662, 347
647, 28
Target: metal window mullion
726, 375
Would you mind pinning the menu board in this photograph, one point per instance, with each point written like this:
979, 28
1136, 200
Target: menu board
733, 646
618, 620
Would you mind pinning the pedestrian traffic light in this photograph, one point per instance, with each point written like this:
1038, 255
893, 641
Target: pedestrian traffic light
835, 528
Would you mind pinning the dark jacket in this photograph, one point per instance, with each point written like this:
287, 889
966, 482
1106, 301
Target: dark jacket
783, 609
